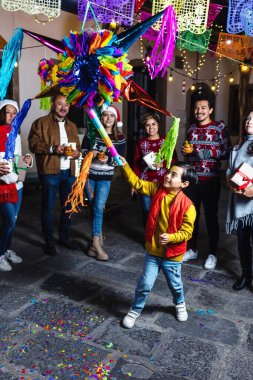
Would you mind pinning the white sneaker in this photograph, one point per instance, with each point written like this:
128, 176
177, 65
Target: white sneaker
190, 255
210, 262
129, 319
4, 265
13, 257
181, 312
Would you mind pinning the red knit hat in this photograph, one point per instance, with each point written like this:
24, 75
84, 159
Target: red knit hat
115, 112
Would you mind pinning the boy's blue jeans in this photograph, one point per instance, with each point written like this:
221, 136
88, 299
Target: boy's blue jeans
152, 266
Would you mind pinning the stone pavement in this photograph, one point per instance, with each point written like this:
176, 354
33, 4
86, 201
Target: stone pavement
60, 316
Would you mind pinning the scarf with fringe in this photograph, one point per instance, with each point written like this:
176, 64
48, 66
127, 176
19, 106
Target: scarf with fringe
240, 208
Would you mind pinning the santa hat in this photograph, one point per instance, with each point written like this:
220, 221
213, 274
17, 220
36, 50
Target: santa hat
5, 102
115, 112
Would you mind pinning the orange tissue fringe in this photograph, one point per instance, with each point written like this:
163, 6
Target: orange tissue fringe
75, 198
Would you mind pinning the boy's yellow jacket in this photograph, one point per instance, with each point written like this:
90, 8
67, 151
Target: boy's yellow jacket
183, 234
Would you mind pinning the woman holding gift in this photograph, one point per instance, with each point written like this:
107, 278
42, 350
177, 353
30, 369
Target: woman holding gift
10, 186
100, 175
146, 148
240, 206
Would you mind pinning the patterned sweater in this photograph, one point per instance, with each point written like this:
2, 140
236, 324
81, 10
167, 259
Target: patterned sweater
99, 170
140, 168
211, 144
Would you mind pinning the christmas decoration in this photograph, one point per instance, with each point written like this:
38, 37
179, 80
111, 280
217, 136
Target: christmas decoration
194, 42
236, 48
50, 8
162, 52
107, 10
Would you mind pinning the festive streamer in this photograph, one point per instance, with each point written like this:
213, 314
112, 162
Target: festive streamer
236, 49
246, 18
11, 54
138, 5
162, 52
214, 10
50, 8
194, 42
191, 15
234, 24
107, 10
165, 153
16, 123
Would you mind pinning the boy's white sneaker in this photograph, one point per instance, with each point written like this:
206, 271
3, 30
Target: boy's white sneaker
130, 318
13, 257
181, 312
210, 262
190, 255
4, 265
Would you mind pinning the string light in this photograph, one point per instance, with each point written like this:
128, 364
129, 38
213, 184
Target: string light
188, 69
217, 77
193, 87
44, 21
142, 50
213, 88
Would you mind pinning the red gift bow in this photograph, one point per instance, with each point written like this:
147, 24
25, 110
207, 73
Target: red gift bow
244, 179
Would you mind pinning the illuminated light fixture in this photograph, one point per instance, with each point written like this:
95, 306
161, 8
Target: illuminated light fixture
213, 88
231, 79
193, 87
171, 76
245, 68
113, 24
228, 41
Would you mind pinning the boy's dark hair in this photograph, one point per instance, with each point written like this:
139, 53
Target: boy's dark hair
189, 174
206, 97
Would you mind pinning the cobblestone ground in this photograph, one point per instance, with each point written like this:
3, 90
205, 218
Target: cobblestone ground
61, 316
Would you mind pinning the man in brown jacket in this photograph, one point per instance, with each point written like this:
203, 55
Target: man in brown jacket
47, 139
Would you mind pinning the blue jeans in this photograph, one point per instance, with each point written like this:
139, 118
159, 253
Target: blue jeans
152, 266
9, 213
50, 184
101, 191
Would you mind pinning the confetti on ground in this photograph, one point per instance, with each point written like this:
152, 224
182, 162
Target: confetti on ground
198, 280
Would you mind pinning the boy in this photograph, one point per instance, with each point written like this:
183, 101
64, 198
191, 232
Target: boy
169, 226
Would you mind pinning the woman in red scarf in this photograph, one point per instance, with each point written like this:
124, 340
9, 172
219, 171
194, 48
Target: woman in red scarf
10, 187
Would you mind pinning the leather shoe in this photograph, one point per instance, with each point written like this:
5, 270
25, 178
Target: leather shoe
50, 249
241, 283
68, 244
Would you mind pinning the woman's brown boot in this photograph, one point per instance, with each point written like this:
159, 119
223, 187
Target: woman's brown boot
96, 250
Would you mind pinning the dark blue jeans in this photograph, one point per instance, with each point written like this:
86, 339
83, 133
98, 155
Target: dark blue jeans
9, 213
50, 184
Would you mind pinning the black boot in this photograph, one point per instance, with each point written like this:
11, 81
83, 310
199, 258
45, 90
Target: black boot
242, 282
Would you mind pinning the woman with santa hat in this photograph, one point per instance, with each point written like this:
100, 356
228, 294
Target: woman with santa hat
101, 174
10, 186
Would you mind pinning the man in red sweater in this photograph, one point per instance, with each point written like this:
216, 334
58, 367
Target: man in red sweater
211, 144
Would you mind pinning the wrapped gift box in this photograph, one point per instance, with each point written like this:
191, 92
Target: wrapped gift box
243, 176
149, 158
